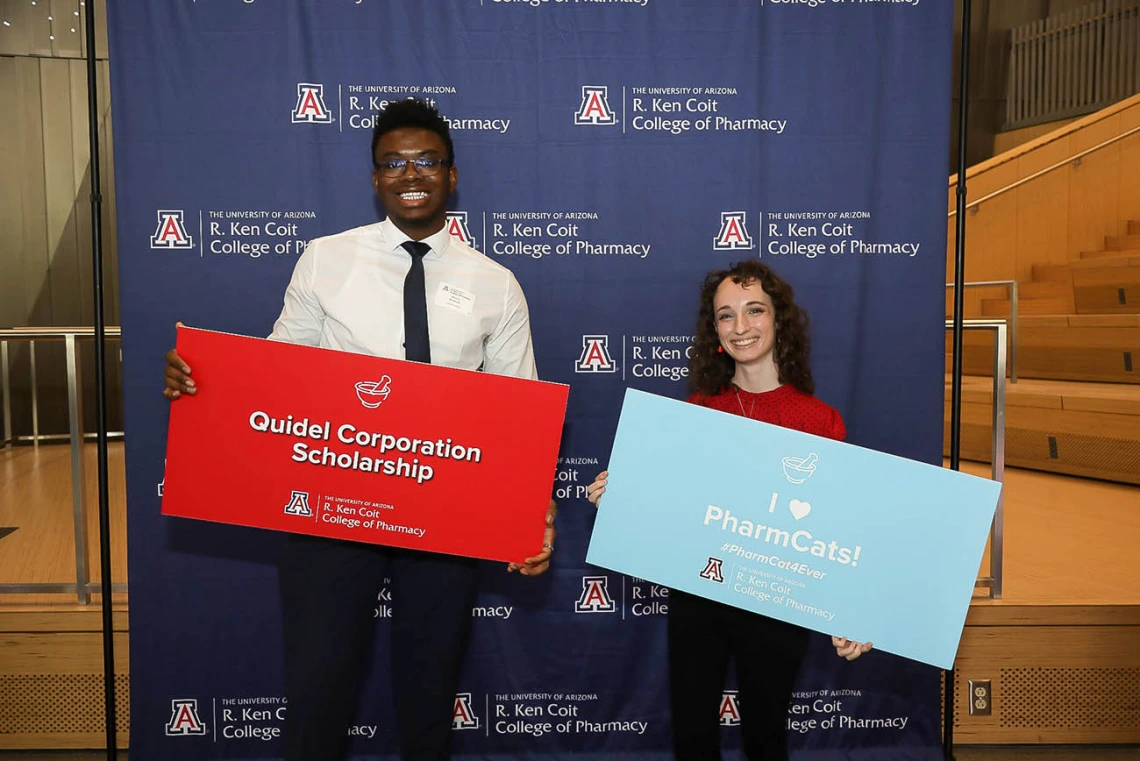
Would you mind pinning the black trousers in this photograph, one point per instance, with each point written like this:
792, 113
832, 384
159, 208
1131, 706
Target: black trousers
329, 592
703, 635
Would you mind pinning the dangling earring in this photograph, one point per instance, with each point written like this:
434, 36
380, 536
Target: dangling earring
720, 350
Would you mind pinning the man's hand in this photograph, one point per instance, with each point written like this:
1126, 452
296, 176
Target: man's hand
540, 563
849, 648
178, 380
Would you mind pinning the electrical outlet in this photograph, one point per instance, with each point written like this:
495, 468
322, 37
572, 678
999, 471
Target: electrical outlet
981, 699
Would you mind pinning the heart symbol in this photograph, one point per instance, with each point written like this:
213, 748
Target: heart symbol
799, 509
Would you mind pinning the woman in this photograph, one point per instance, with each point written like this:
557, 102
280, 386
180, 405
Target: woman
750, 358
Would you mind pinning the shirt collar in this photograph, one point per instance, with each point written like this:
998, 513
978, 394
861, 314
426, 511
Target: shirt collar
395, 238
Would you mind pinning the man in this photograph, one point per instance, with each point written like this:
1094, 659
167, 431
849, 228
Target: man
373, 290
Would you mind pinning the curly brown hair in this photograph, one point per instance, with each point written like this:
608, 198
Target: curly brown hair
711, 371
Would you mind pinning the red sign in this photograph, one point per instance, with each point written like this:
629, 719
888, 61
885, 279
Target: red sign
348, 446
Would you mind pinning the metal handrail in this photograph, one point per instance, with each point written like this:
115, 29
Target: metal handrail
31, 335
997, 442
1046, 170
1013, 306
83, 587
85, 331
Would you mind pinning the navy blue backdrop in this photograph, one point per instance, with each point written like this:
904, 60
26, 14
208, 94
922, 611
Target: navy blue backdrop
610, 152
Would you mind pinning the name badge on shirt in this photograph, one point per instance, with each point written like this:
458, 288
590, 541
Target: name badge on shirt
455, 298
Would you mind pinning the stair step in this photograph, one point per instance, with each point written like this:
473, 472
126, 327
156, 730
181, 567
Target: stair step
1122, 242
1114, 253
1047, 333
1107, 299
1102, 347
1082, 429
1050, 324
1071, 364
1057, 273
1000, 307
1124, 258
1052, 273
1047, 289
974, 297
1106, 321
1124, 273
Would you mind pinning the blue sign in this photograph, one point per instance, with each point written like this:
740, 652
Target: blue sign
830, 536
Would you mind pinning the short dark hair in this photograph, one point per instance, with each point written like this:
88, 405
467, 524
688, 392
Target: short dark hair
412, 112
711, 370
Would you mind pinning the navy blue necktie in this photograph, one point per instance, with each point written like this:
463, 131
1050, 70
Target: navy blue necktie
417, 344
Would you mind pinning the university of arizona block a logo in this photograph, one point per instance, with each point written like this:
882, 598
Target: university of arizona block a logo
184, 719
714, 570
463, 716
595, 597
311, 108
457, 227
595, 356
299, 505
733, 234
171, 231
729, 709
595, 107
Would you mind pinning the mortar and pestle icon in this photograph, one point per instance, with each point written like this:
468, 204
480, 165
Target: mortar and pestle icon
373, 393
799, 469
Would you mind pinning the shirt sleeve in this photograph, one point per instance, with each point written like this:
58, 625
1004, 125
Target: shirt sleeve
836, 428
508, 350
302, 316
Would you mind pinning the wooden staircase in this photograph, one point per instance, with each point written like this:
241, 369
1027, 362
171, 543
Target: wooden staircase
1080, 429
1076, 407
1106, 281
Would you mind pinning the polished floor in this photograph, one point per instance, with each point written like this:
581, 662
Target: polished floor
962, 753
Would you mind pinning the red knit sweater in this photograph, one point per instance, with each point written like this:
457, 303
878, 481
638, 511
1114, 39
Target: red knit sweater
784, 406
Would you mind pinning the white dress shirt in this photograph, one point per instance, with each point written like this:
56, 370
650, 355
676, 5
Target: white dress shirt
347, 293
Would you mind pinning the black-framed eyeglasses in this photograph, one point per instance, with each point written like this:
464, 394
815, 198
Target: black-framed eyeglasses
425, 165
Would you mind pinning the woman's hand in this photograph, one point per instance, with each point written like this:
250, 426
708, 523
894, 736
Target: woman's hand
849, 648
595, 490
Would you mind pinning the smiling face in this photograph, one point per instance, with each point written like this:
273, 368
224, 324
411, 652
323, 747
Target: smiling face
745, 322
416, 203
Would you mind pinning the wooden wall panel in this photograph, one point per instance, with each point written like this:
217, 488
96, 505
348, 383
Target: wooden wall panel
65, 19
63, 268
34, 260
1051, 219
59, 653
32, 37
31, 30
17, 38
1042, 219
52, 683
110, 227
101, 30
11, 199
59, 180
84, 298
991, 232
1094, 188
1050, 684
46, 273
1010, 139
1129, 160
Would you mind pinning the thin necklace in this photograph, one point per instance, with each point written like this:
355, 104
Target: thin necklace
742, 412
